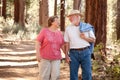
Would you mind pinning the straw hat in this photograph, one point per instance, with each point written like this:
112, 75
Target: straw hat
74, 12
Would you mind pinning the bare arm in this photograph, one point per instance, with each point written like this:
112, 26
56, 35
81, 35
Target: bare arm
88, 39
63, 48
37, 47
67, 47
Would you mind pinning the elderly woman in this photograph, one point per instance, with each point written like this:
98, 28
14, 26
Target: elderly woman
49, 42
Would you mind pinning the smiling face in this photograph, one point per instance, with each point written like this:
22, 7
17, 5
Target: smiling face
53, 21
56, 22
75, 19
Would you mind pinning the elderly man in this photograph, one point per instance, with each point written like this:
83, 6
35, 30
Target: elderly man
77, 45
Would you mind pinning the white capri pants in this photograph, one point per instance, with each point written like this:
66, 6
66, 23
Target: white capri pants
49, 69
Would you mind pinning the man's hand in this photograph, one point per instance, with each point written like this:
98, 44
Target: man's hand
82, 35
67, 58
88, 39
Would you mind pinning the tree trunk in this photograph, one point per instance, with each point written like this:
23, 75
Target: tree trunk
55, 8
43, 13
21, 13
62, 15
16, 11
0, 7
118, 20
96, 13
76, 4
3, 8
40, 13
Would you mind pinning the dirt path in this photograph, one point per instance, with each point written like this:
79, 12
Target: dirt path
18, 62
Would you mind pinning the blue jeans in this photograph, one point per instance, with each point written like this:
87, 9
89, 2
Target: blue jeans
80, 58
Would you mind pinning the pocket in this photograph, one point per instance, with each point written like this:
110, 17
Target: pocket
88, 51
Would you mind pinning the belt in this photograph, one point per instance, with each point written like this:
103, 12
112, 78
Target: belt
79, 49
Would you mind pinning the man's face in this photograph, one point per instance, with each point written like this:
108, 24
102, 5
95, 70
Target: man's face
75, 19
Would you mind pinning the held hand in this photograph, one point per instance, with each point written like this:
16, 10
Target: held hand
68, 59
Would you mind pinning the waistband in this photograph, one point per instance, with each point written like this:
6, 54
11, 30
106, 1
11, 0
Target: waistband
79, 49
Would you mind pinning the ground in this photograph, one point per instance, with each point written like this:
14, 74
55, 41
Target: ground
18, 61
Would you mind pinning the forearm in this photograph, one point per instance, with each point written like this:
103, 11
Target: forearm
37, 47
66, 49
89, 39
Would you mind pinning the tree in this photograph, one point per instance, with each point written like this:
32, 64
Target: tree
16, 11
21, 13
0, 7
3, 8
62, 15
118, 20
96, 13
55, 8
76, 4
43, 13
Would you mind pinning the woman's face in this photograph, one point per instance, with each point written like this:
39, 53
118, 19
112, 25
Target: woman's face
56, 22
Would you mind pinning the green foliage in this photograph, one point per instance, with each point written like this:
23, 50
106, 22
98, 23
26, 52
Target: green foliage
117, 42
111, 19
26, 33
113, 72
117, 57
38, 29
6, 30
98, 47
113, 69
28, 2
107, 70
11, 1
16, 28
18, 32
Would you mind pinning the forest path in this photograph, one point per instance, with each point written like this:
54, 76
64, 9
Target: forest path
18, 61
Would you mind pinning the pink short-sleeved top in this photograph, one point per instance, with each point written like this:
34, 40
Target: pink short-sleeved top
51, 42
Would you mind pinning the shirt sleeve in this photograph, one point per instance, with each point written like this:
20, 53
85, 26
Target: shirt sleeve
66, 36
40, 36
92, 35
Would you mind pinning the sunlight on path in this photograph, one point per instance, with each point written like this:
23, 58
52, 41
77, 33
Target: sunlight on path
3, 51
12, 64
17, 78
18, 62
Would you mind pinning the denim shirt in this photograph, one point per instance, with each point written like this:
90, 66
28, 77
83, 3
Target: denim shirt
87, 27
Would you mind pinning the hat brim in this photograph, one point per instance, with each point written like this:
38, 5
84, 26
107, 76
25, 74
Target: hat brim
75, 14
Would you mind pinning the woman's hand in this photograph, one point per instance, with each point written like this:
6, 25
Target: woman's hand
37, 47
67, 58
38, 58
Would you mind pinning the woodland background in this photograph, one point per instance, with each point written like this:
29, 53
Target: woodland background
21, 21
